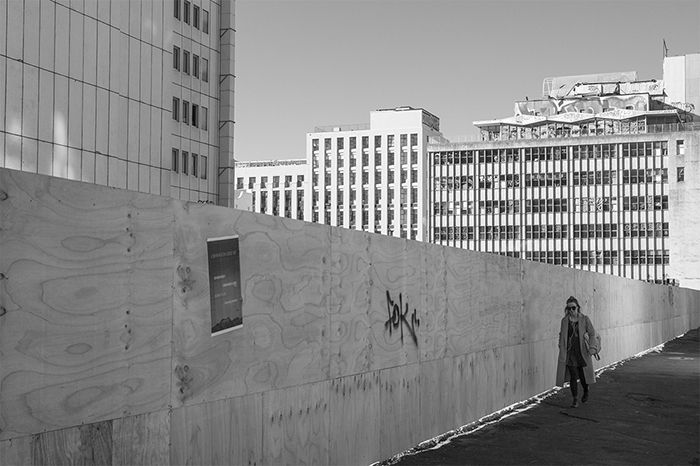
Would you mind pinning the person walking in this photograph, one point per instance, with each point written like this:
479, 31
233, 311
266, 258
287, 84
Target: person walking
574, 362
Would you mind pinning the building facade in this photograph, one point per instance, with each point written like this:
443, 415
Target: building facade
275, 187
591, 178
371, 177
130, 94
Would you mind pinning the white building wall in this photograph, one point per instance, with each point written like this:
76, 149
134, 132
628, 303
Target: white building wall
87, 92
274, 187
362, 180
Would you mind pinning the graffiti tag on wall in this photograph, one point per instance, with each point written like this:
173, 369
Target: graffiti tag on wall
400, 318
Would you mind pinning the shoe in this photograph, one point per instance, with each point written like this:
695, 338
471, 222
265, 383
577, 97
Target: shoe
584, 398
574, 404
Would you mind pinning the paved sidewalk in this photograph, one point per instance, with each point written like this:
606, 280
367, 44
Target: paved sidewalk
645, 411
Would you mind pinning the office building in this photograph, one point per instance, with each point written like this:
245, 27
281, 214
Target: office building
275, 187
595, 175
370, 177
130, 94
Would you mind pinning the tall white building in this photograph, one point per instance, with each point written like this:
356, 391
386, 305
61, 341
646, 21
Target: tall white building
371, 177
125, 93
275, 187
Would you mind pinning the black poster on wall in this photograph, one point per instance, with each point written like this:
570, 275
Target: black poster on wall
224, 284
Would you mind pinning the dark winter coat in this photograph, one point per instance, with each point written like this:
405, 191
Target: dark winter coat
585, 326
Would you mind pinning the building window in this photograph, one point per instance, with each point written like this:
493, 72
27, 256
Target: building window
195, 66
186, 12
185, 112
239, 183
205, 21
176, 9
176, 57
205, 116
195, 115
203, 171
176, 109
185, 161
195, 16
680, 147
186, 62
680, 173
205, 70
195, 166
176, 157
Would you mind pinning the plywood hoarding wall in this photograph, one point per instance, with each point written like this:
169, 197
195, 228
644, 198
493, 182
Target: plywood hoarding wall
354, 346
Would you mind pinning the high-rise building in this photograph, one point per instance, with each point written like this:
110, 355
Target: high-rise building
275, 187
370, 177
131, 94
595, 176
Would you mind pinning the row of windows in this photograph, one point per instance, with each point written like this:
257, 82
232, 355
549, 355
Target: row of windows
545, 179
583, 178
548, 257
583, 204
189, 164
580, 231
195, 15
288, 205
288, 180
533, 154
633, 257
198, 63
390, 138
390, 160
629, 230
640, 203
198, 117
545, 205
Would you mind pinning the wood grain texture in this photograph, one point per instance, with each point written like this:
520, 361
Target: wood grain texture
86, 330
466, 291
222, 432
16, 452
89, 444
543, 306
433, 308
438, 397
296, 425
395, 293
350, 285
285, 281
142, 439
399, 409
354, 423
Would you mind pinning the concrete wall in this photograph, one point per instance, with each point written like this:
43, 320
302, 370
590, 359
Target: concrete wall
107, 355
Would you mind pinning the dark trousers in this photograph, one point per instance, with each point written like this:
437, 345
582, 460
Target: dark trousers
576, 372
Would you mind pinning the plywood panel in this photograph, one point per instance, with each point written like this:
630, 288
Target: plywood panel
349, 307
86, 334
354, 424
545, 290
395, 297
285, 281
226, 431
399, 409
433, 304
16, 452
141, 439
89, 444
437, 397
295, 425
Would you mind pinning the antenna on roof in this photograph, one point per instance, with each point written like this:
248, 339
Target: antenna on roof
665, 48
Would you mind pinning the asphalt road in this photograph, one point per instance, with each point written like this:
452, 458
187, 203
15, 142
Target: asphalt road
645, 411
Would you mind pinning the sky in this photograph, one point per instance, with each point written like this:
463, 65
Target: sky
301, 64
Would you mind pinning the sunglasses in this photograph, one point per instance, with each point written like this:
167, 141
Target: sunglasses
570, 308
